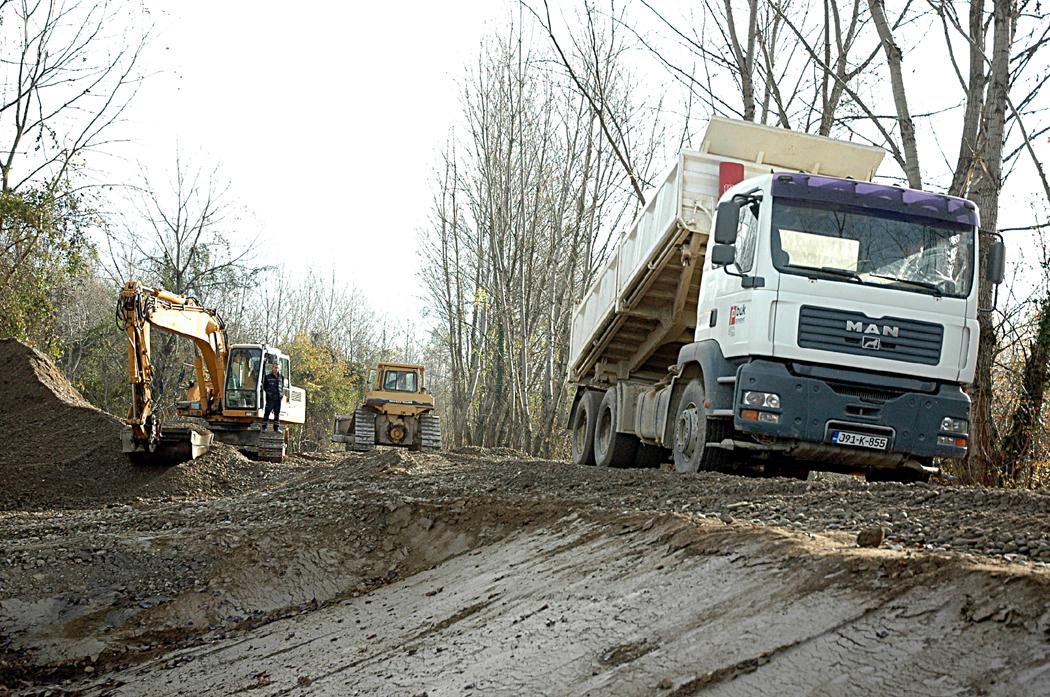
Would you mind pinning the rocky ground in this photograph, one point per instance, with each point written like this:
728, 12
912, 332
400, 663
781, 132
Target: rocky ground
491, 572
110, 599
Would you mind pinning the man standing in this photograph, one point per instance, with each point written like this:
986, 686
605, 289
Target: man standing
272, 390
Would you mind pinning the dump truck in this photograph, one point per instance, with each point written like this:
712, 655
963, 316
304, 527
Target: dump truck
226, 394
772, 311
397, 411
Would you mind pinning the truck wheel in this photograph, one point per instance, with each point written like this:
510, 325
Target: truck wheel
583, 422
612, 449
694, 431
649, 456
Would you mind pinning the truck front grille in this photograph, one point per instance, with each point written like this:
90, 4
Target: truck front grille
869, 394
892, 338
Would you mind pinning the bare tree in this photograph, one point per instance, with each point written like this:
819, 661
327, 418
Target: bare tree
182, 235
67, 72
894, 60
526, 200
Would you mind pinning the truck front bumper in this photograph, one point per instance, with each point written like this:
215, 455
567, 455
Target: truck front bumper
871, 407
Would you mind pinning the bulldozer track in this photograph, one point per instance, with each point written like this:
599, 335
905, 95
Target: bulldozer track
271, 446
430, 431
364, 430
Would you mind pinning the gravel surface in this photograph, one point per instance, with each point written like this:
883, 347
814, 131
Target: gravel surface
112, 586
105, 566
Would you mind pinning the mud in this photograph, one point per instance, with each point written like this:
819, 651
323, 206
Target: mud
663, 606
403, 573
490, 572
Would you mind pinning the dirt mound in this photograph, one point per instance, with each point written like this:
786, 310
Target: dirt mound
62, 452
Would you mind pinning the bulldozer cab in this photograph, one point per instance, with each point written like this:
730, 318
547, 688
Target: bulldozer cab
390, 377
397, 411
397, 388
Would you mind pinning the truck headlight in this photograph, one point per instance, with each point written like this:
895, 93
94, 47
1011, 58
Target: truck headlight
762, 399
954, 425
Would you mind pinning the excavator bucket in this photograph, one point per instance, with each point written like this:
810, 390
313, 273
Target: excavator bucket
175, 445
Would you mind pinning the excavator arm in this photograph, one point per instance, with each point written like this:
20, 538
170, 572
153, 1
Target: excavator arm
141, 309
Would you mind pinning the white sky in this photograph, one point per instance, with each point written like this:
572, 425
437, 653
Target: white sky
326, 117
328, 120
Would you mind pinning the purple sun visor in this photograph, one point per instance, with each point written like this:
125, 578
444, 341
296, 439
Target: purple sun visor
848, 192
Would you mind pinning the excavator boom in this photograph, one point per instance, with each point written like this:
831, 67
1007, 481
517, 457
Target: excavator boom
141, 309
226, 393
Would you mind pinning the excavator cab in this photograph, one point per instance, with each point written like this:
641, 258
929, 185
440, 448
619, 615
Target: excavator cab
244, 377
248, 364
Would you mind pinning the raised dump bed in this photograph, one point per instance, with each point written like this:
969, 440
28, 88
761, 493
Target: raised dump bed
641, 308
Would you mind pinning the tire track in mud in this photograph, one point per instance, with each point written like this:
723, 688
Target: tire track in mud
404, 573
588, 605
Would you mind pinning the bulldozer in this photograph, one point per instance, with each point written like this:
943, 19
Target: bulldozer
397, 411
226, 393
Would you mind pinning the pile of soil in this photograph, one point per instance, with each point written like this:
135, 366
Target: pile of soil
61, 452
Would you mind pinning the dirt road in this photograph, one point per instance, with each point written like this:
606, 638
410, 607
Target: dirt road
487, 572
401, 573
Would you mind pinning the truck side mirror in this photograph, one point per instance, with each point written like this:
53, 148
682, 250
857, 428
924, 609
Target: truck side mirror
726, 221
723, 254
995, 272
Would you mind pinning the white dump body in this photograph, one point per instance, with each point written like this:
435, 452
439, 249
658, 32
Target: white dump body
641, 307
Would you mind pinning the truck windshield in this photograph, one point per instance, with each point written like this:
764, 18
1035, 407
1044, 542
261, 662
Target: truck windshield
242, 378
873, 247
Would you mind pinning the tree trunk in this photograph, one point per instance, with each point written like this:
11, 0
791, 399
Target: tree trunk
986, 183
900, 96
1024, 421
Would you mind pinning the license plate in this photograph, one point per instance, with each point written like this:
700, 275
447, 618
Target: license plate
860, 440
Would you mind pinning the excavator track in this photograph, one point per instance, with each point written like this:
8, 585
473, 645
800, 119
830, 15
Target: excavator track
271, 447
364, 430
430, 431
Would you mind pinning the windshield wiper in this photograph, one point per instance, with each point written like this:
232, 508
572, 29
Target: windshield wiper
909, 282
835, 271
831, 271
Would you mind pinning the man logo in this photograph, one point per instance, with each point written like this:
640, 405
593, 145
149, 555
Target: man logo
872, 328
873, 343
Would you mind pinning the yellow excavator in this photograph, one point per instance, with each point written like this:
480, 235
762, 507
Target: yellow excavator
398, 411
227, 391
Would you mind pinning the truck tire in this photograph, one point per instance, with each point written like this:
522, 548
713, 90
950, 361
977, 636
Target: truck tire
694, 432
612, 449
649, 456
583, 421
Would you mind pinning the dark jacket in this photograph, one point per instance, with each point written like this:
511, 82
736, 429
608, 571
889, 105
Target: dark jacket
272, 386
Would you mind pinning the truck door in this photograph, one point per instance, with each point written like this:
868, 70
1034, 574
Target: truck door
724, 301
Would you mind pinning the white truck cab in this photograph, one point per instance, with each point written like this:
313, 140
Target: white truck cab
835, 319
